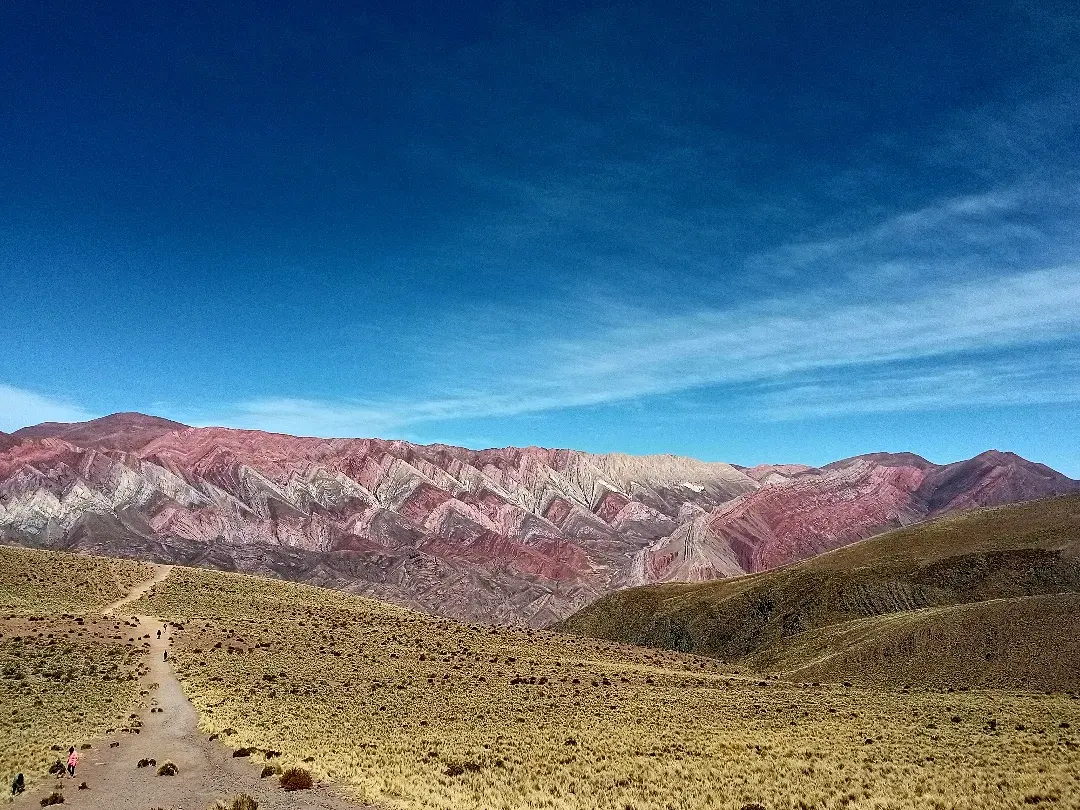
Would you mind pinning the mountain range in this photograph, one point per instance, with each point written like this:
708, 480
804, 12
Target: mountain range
508, 535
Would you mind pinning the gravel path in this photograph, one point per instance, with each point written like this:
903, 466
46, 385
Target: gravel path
207, 769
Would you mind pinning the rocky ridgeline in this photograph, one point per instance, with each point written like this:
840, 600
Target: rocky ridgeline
507, 535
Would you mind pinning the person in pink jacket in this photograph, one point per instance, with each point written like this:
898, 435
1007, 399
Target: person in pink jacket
73, 760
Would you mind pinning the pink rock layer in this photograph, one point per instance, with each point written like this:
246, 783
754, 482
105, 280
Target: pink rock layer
523, 535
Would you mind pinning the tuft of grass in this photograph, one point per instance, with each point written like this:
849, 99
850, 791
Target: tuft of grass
457, 768
240, 802
56, 797
167, 769
296, 779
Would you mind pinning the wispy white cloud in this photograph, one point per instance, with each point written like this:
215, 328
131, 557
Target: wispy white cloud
877, 353
1029, 380
20, 407
971, 236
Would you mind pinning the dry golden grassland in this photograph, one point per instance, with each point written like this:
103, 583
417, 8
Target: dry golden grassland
48, 582
413, 711
64, 678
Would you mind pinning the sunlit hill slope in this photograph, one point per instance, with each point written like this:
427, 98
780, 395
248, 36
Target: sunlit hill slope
987, 597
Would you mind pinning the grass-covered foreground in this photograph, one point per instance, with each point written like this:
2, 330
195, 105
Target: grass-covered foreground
66, 673
413, 711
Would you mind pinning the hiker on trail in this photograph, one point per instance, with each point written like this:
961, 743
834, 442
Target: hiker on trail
166, 658
73, 760
18, 785
159, 634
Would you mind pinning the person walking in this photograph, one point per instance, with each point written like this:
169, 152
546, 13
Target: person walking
73, 760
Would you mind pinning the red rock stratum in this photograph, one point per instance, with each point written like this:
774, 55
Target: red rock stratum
507, 535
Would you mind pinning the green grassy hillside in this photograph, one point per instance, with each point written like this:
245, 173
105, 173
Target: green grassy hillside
1031, 642
777, 619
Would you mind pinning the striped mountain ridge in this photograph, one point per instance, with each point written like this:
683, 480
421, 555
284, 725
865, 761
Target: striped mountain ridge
522, 535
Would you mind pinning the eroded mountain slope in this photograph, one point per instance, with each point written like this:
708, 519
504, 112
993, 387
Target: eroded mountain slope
507, 535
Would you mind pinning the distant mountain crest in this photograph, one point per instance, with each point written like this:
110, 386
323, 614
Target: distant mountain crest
118, 431
507, 535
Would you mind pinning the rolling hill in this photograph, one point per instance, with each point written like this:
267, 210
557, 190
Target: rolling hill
510, 535
981, 598
406, 711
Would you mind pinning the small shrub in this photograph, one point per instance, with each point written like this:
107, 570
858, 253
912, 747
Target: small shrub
56, 797
243, 752
296, 779
268, 770
145, 763
57, 768
753, 806
459, 768
83, 786
241, 802
168, 769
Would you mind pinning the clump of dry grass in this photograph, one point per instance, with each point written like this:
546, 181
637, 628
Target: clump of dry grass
241, 802
296, 779
167, 769
431, 714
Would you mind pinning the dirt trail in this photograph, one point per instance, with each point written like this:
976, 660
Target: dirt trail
139, 590
207, 769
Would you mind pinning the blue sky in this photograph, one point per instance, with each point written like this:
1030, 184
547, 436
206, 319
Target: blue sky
792, 234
